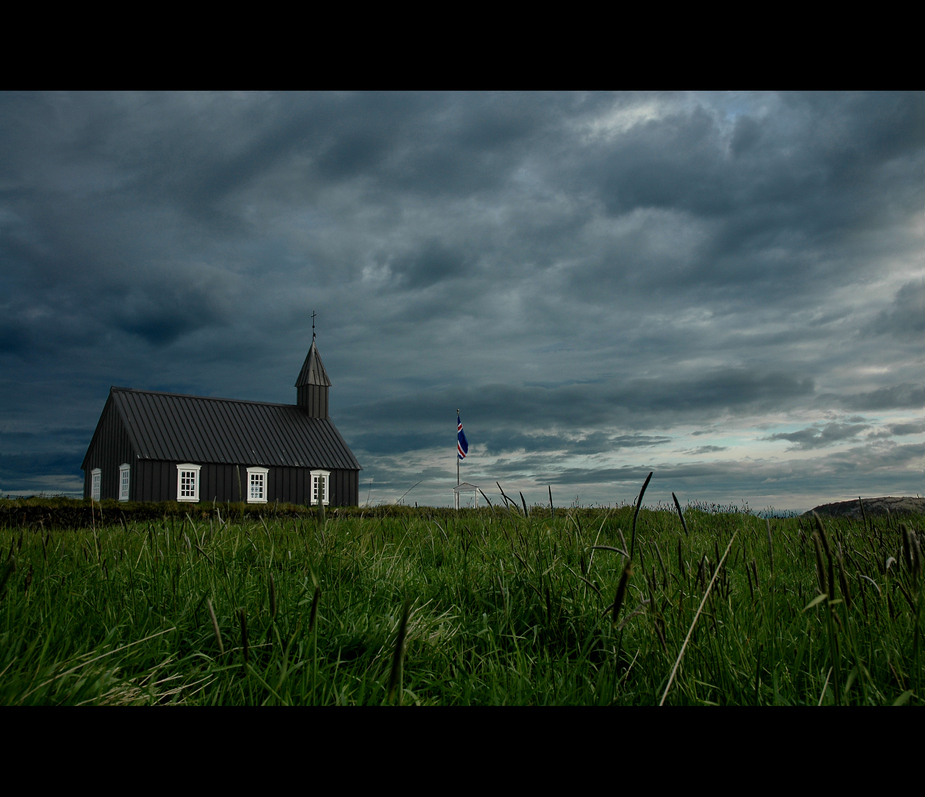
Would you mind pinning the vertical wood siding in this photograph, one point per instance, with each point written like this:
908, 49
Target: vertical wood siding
157, 481
109, 449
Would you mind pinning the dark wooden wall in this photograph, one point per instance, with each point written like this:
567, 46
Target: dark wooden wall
109, 449
157, 481
296, 482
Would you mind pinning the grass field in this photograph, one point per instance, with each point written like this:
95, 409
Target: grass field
485, 607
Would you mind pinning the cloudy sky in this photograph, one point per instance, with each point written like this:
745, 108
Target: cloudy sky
727, 289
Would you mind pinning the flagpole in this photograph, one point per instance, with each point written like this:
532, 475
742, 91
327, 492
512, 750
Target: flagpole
457, 453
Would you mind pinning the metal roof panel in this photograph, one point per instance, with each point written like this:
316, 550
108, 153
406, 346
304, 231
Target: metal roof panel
176, 427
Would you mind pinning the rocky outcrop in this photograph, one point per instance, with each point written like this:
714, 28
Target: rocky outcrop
872, 506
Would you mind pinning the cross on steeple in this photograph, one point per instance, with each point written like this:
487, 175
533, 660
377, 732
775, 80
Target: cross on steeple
313, 324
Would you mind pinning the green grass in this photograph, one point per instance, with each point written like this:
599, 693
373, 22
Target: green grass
483, 607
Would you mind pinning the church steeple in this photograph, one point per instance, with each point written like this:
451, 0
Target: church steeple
312, 385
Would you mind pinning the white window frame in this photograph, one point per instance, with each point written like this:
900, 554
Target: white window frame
188, 468
322, 477
96, 478
262, 479
125, 476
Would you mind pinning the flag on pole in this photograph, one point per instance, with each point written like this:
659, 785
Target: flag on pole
462, 445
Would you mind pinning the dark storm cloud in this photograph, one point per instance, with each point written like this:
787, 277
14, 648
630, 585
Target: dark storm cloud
14, 337
887, 457
676, 163
580, 272
722, 389
905, 319
636, 441
474, 142
23, 441
637, 474
505, 441
906, 428
431, 263
868, 469
803, 177
850, 131
904, 396
897, 430
387, 442
708, 449
819, 436
45, 461
34, 473
190, 151
511, 412
162, 314
32, 466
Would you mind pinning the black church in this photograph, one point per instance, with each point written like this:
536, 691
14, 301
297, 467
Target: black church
151, 446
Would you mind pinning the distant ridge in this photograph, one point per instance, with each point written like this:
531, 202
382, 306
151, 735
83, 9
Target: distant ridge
872, 506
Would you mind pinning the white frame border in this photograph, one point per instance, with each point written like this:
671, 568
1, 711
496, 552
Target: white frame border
125, 467
266, 483
187, 466
326, 474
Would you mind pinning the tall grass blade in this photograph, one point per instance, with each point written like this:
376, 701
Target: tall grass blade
820, 570
314, 612
609, 548
621, 592
399, 652
272, 591
770, 545
642, 492
696, 616
824, 686
680, 514
218, 636
828, 554
508, 503
842, 578
8, 570
242, 617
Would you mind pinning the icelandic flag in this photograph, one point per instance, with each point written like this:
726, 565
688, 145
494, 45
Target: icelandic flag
462, 445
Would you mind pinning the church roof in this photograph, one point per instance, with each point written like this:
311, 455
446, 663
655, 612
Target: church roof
313, 372
180, 428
